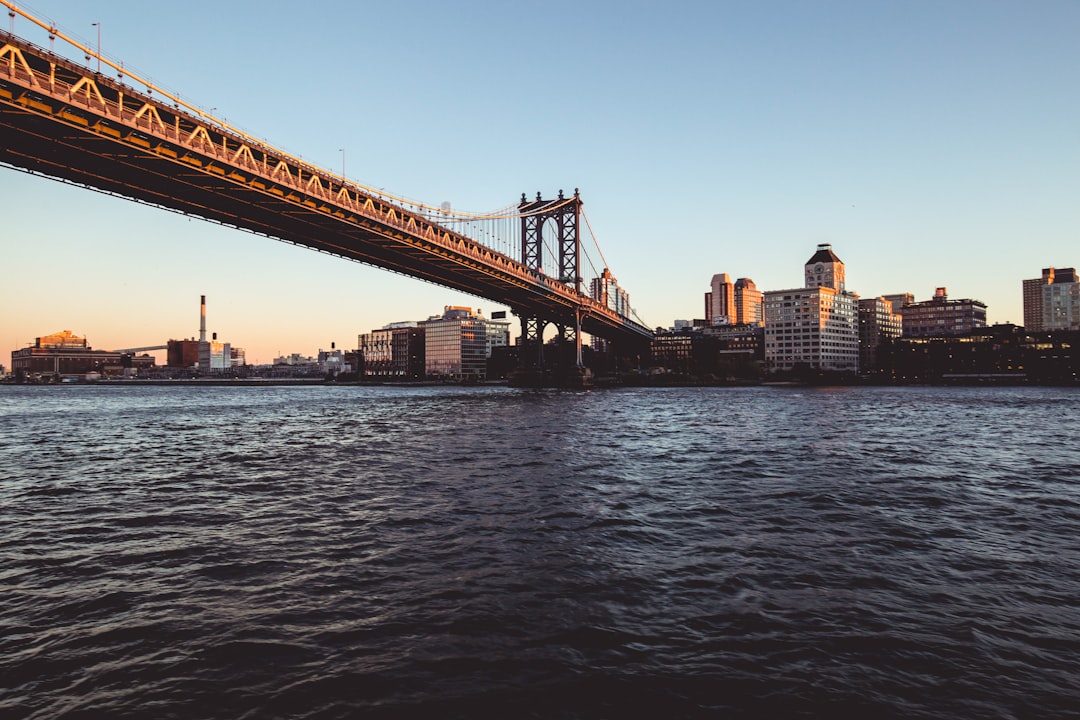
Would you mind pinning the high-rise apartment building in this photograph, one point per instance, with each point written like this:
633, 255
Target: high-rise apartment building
939, 316
1052, 302
733, 303
815, 326
605, 290
748, 303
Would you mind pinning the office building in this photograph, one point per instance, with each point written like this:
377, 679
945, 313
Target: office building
940, 317
458, 343
814, 327
1052, 302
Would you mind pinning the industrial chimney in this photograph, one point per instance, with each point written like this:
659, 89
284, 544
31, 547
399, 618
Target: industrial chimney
202, 318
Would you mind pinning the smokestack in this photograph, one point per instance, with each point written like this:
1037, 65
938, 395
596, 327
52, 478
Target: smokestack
202, 318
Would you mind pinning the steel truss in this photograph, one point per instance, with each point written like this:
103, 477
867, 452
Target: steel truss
565, 213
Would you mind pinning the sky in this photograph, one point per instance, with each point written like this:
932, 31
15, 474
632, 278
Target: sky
931, 143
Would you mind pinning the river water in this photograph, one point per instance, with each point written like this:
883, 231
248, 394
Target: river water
338, 552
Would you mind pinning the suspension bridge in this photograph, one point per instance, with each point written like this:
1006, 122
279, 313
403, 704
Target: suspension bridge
101, 127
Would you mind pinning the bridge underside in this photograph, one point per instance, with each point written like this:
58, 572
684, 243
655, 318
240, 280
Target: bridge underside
100, 143
34, 143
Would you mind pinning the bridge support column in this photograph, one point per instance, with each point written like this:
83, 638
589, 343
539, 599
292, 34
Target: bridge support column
565, 215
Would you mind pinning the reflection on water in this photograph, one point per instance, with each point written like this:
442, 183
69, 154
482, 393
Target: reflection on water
445, 552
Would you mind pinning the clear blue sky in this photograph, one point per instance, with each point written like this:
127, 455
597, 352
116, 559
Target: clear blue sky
932, 143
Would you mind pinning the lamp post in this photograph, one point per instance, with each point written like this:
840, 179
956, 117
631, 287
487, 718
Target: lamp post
342, 151
98, 26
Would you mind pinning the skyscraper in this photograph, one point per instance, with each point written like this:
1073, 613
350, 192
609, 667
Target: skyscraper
721, 306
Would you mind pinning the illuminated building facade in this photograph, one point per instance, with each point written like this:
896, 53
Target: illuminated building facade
458, 343
733, 303
605, 289
749, 303
720, 300
815, 326
214, 356
939, 316
66, 354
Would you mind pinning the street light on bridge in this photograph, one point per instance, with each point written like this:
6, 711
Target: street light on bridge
98, 26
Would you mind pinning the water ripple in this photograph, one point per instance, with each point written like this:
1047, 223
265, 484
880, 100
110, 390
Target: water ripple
489, 553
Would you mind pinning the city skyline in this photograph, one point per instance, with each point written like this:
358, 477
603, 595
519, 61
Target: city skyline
931, 146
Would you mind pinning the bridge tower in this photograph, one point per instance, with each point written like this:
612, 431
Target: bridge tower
565, 214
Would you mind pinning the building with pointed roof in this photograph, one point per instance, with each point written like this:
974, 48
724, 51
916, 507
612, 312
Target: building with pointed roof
814, 327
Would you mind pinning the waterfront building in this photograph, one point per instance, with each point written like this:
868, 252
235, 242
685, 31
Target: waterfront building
395, 350
332, 361
214, 356
182, 353
744, 339
295, 360
814, 327
376, 352
672, 351
724, 351
1001, 353
408, 346
878, 323
1052, 302
68, 355
939, 316
207, 355
458, 343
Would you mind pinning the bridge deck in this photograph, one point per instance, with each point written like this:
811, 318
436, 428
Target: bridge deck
61, 120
